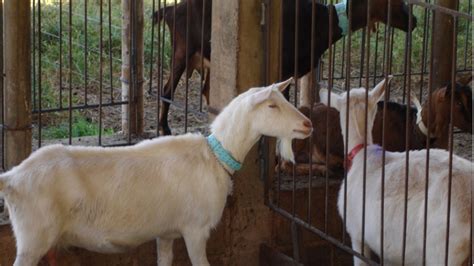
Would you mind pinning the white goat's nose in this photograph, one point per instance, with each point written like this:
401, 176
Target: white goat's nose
307, 123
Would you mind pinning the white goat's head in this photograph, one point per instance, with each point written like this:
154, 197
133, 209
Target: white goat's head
265, 111
357, 104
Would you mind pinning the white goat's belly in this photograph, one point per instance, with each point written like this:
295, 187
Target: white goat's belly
394, 200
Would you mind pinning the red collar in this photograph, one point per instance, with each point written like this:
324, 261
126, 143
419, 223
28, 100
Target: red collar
351, 156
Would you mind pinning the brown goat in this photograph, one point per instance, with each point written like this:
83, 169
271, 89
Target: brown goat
379, 10
199, 47
394, 132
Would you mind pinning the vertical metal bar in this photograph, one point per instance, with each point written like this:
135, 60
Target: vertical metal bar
40, 89
2, 89
173, 51
408, 121
312, 87
296, 52
280, 76
186, 100
427, 172
362, 53
60, 54
202, 51
387, 49
131, 87
152, 46
161, 55
466, 44
451, 141
33, 80
347, 87
330, 84
70, 74
111, 71
85, 53
366, 129
101, 66
424, 51
376, 56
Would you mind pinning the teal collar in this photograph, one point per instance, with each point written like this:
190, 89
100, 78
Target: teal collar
341, 9
222, 154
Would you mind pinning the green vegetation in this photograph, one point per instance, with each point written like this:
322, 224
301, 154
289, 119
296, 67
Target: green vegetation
53, 96
55, 51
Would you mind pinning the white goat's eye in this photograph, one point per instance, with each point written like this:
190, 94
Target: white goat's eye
272, 106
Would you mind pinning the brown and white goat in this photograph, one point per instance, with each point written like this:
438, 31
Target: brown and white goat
113, 199
369, 184
379, 10
199, 47
395, 136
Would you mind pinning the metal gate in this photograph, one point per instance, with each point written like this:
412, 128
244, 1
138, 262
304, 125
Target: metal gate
360, 59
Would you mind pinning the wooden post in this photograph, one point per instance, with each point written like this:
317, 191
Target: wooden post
17, 95
443, 44
132, 66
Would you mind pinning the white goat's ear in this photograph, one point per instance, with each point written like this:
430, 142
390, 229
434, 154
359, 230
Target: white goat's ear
261, 96
324, 98
282, 86
377, 93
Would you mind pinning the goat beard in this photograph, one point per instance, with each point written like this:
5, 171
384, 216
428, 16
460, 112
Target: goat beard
284, 149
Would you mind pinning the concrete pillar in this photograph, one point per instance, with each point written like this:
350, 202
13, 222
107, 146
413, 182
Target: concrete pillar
237, 53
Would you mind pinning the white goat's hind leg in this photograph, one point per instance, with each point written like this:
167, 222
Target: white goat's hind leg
196, 246
165, 251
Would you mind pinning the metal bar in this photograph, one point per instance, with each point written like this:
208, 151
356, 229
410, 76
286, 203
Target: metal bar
203, 20
60, 53
312, 87
347, 87
451, 141
86, 62
152, 44
40, 89
186, 83
296, 52
70, 73
101, 70
427, 173
320, 233
330, 84
111, 74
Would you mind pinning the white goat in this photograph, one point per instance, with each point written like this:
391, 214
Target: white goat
112, 199
460, 217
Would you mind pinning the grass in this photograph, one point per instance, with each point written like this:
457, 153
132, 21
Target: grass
85, 65
80, 127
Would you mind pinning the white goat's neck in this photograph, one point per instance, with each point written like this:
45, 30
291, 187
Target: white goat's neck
233, 130
356, 133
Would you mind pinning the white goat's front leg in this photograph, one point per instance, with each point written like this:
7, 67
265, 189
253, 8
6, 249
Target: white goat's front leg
196, 246
357, 246
165, 251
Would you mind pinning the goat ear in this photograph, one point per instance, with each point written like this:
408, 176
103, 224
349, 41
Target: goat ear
282, 86
324, 98
378, 92
465, 79
261, 96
